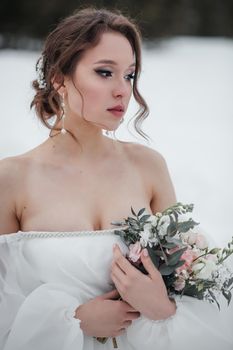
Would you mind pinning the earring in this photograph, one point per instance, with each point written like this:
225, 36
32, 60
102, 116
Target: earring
63, 130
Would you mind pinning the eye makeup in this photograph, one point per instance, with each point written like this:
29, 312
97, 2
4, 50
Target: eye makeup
107, 73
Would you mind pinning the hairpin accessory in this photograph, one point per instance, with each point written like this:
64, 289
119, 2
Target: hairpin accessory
40, 73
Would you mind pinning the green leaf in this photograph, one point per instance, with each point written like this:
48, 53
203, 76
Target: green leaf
186, 225
158, 252
214, 251
133, 212
155, 259
175, 257
176, 215
141, 211
144, 218
166, 270
179, 264
172, 229
176, 241
214, 298
134, 224
227, 295
118, 233
228, 283
118, 223
200, 287
168, 245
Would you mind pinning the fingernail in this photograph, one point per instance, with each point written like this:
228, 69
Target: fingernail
114, 246
145, 252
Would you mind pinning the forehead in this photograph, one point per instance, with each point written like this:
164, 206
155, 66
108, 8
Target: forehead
112, 46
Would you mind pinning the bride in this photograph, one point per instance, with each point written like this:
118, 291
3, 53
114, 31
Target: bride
57, 262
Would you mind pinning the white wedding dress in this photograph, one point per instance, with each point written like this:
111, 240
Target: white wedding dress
45, 276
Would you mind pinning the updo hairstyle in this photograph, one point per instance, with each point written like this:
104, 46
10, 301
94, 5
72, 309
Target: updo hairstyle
63, 49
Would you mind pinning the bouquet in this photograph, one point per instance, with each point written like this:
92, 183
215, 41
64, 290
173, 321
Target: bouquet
180, 252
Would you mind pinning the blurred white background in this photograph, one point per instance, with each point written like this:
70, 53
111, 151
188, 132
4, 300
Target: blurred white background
188, 85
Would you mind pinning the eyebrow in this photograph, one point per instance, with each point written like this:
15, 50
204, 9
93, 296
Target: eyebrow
113, 63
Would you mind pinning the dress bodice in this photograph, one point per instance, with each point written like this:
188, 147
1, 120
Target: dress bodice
79, 259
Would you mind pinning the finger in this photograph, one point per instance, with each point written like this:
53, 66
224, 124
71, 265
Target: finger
130, 308
117, 283
123, 263
118, 273
110, 295
148, 264
114, 264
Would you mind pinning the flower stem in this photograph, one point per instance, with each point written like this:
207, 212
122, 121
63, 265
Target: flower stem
114, 343
103, 340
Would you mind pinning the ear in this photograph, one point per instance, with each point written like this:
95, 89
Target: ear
58, 82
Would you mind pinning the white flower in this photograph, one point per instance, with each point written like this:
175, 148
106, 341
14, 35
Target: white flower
153, 219
189, 237
179, 284
212, 257
184, 217
192, 238
163, 225
201, 241
204, 269
147, 237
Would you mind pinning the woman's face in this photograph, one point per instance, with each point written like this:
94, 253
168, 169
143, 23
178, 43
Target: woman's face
104, 77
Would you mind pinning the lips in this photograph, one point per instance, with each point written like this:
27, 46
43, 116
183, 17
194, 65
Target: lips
118, 108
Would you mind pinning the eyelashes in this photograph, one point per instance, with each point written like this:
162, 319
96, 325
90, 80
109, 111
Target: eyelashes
107, 73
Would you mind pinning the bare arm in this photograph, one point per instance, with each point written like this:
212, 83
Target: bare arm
152, 165
105, 317
133, 285
162, 186
8, 189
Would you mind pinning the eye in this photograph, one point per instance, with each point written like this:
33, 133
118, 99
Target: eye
104, 73
130, 76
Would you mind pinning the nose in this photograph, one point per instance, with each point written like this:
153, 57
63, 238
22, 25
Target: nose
121, 88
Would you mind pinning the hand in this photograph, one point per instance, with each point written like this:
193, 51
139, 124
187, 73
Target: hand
146, 293
103, 317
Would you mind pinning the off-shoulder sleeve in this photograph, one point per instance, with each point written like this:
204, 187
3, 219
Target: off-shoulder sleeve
196, 325
34, 315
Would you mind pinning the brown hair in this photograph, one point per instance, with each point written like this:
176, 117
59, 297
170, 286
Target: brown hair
64, 47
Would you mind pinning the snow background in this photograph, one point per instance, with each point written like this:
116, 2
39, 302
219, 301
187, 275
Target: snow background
188, 85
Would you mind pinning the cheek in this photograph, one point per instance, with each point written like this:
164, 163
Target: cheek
96, 99
94, 94
87, 96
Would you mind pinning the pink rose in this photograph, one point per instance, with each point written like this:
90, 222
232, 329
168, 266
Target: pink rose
179, 284
135, 251
188, 256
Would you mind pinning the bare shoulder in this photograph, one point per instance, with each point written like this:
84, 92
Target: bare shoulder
11, 174
144, 155
154, 169
11, 168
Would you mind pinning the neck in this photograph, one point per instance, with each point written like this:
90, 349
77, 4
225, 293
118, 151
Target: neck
88, 143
